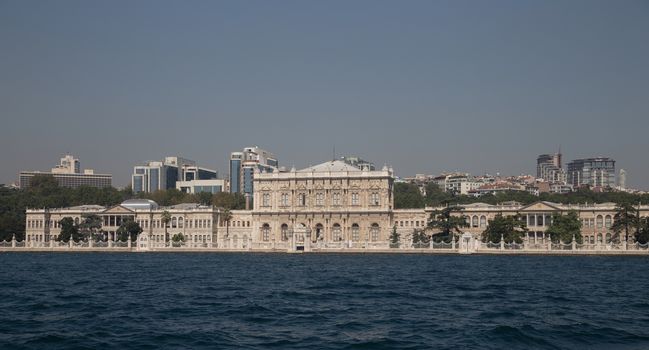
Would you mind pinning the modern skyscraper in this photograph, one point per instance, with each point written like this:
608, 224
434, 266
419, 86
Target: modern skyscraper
549, 168
594, 172
243, 166
68, 174
161, 175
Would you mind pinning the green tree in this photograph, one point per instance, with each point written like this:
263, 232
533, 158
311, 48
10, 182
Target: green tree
68, 230
511, 227
166, 218
435, 196
90, 226
564, 227
419, 238
624, 220
232, 201
128, 227
226, 216
445, 224
178, 239
394, 236
204, 198
642, 235
407, 196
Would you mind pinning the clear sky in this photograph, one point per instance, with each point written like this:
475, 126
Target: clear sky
424, 86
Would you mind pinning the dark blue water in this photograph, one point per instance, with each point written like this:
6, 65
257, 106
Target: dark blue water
250, 301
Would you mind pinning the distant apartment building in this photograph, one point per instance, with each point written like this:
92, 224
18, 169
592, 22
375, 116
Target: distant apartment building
162, 175
243, 166
550, 169
596, 172
68, 174
457, 183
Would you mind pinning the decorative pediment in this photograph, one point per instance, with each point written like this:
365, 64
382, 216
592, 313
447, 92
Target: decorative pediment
540, 206
118, 209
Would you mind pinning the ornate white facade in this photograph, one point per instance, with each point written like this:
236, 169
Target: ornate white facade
327, 206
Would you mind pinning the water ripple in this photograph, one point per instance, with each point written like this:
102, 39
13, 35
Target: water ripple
275, 301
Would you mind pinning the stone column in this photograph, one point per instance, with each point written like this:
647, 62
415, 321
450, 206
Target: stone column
51, 242
13, 241
90, 241
71, 242
549, 242
502, 242
129, 241
574, 243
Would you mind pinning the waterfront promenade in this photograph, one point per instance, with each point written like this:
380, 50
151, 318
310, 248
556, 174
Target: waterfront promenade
462, 246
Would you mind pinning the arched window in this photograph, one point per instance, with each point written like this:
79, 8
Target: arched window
599, 238
284, 232
181, 222
374, 232
607, 221
483, 221
474, 221
337, 233
265, 232
355, 233
76, 221
608, 238
600, 222
319, 231
174, 222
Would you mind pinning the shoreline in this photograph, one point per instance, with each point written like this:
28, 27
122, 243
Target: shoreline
418, 251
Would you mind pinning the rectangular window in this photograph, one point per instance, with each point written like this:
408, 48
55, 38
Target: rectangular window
355, 199
336, 199
265, 199
374, 199
319, 199
284, 199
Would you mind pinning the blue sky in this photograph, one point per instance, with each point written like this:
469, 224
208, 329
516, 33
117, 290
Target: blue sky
424, 86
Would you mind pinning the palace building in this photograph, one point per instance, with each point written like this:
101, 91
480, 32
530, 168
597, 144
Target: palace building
330, 205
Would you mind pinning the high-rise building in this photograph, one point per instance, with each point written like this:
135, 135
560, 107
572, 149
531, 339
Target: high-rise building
622, 179
68, 174
162, 175
550, 169
243, 166
594, 172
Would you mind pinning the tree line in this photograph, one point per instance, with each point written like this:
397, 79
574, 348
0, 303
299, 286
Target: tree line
44, 192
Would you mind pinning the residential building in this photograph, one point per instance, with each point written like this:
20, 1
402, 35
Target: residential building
68, 174
596, 172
